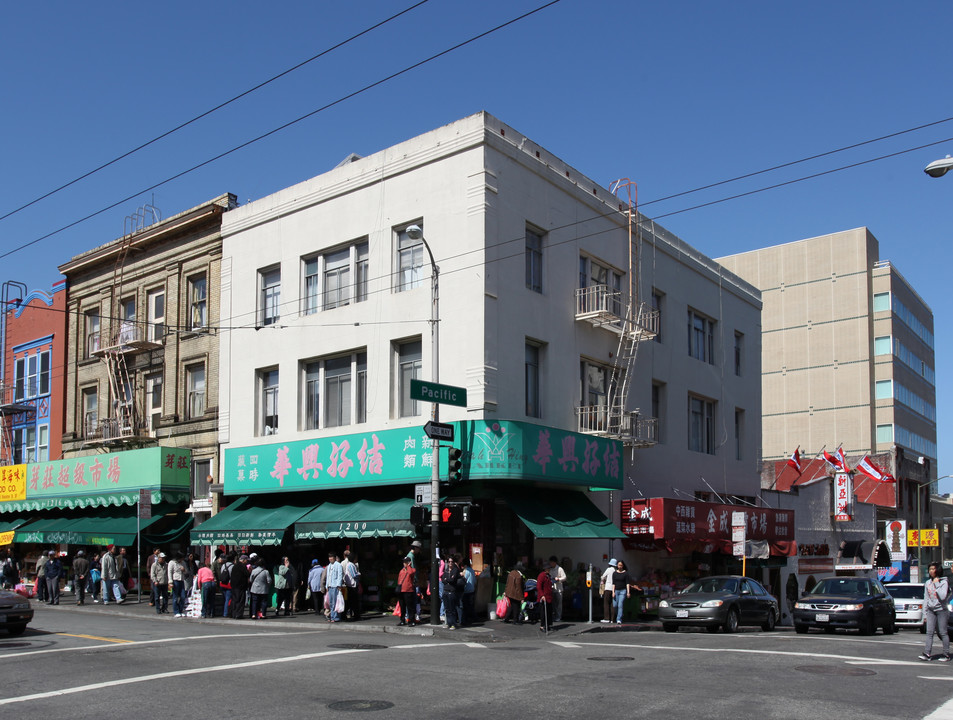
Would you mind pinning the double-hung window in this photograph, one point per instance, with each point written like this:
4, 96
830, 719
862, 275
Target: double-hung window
90, 412
409, 359
531, 375
198, 302
701, 337
195, 377
92, 338
269, 304
268, 402
534, 260
310, 290
153, 401
410, 259
337, 279
701, 425
155, 308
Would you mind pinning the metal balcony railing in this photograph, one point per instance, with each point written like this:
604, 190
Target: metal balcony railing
629, 426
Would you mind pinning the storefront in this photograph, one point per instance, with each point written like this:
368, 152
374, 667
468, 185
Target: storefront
93, 501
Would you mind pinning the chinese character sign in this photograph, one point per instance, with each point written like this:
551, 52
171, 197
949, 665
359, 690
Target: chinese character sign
12, 483
843, 497
924, 537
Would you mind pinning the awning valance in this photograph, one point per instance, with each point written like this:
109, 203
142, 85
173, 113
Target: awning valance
108, 526
360, 519
252, 521
560, 514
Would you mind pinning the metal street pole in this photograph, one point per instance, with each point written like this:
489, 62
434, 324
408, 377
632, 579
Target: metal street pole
415, 232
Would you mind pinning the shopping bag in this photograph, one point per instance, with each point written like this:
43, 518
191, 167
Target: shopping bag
502, 606
339, 605
396, 612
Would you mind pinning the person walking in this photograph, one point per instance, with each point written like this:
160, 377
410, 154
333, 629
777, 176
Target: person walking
41, 576
335, 578
315, 585
544, 599
558, 576
95, 577
936, 614
469, 593
10, 573
80, 576
407, 589
224, 576
123, 571
352, 587
159, 579
608, 594
239, 578
453, 583
177, 575
514, 593
259, 582
53, 571
205, 579
150, 561
284, 579
622, 582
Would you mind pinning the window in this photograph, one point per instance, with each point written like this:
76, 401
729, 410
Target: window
657, 307
701, 337
337, 383
153, 402
595, 385
345, 391
201, 477
739, 352
883, 390
269, 305
701, 425
43, 444
739, 432
884, 434
90, 412
155, 307
410, 259
310, 294
24, 445
883, 346
198, 303
658, 399
881, 301
195, 381
19, 379
92, 344
531, 374
408, 368
606, 281
534, 261
337, 279
31, 376
268, 402
312, 396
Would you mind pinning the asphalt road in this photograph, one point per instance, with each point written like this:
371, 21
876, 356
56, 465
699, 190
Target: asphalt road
100, 664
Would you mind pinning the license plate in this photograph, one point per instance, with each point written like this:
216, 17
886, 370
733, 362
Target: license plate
822, 617
681, 613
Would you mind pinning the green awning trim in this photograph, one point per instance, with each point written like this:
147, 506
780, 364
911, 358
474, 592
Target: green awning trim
561, 514
252, 521
109, 526
118, 499
360, 519
12, 524
170, 532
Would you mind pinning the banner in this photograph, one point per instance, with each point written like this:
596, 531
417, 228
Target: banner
897, 539
12, 483
843, 497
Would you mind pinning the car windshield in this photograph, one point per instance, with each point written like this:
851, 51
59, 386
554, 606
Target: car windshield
842, 586
713, 585
908, 592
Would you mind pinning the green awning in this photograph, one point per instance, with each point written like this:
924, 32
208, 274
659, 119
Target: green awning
252, 521
561, 514
109, 526
360, 519
11, 524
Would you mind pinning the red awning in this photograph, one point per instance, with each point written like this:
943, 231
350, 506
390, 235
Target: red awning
688, 525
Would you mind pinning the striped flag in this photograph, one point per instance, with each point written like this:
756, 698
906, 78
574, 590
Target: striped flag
868, 468
795, 460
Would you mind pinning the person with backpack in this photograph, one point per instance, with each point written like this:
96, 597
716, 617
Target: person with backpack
260, 582
225, 583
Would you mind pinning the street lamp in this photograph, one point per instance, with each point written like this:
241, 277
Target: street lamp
415, 232
939, 168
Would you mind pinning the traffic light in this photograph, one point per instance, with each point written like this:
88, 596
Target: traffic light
454, 465
419, 515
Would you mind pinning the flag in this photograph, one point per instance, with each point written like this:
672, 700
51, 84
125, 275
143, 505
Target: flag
867, 467
834, 460
843, 460
795, 460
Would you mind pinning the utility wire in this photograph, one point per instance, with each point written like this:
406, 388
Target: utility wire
211, 110
284, 126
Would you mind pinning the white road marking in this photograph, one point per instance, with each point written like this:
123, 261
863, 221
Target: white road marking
421, 645
944, 712
568, 645
172, 674
134, 643
481, 646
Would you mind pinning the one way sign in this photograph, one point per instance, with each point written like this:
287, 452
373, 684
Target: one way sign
438, 431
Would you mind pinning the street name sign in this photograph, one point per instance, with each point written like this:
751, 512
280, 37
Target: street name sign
439, 431
437, 393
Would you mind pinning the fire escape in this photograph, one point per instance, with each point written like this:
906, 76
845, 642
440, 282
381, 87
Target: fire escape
13, 411
634, 322
126, 424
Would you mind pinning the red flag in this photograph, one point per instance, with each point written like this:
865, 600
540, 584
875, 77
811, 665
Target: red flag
795, 460
867, 467
834, 460
843, 460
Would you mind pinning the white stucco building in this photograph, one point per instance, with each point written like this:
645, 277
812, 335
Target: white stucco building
327, 301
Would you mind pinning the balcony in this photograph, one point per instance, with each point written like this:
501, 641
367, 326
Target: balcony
627, 426
113, 431
12, 402
601, 306
132, 338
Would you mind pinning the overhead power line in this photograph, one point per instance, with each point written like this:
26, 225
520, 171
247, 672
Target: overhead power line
208, 112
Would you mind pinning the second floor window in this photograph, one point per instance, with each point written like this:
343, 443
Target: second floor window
198, 302
92, 343
90, 411
269, 302
408, 368
32, 376
701, 337
534, 261
195, 377
410, 258
268, 402
155, 300
701, 425
153, 401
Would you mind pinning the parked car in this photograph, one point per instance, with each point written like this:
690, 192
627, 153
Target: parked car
15, 612
908, 601
846, 602
724, 601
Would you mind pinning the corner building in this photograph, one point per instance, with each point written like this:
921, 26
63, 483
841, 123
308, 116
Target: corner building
581, 389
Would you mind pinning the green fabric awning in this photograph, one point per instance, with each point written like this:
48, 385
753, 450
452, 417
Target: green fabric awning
11, 524
561, 514
116, 499
109, 526
360, 519
252, 521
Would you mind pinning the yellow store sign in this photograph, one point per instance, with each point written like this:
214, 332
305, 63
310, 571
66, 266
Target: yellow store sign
925, 537
12, 483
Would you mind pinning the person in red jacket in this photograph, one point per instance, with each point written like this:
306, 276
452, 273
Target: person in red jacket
544, 595
407, 587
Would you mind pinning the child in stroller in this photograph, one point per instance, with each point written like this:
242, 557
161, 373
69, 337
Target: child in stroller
529, 611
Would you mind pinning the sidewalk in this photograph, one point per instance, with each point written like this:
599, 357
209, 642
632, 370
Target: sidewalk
483, 631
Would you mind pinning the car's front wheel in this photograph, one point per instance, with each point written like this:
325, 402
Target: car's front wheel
800, 629
16, 629
867, 625
731, 622
669, 627
890, 628
770, 621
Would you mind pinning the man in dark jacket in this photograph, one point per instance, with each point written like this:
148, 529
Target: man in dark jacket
239, 578
544, 595
53, 571
514, 593
80, 576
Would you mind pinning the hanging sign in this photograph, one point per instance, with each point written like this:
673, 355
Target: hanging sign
843, 496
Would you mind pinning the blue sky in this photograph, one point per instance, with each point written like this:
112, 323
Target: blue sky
674, 95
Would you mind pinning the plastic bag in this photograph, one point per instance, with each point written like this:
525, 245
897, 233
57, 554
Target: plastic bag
339, 604
502, 607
